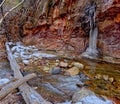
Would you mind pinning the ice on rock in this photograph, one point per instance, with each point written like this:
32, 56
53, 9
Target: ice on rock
28, 52
4, 80
38, 54
26, 62
94, 100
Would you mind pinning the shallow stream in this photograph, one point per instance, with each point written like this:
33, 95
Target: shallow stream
104, 78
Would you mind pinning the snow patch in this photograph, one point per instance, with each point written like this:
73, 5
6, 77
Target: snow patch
28, 52
3, 81
26, 62
38, 54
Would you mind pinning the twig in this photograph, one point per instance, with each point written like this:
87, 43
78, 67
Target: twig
10, 10
2, 3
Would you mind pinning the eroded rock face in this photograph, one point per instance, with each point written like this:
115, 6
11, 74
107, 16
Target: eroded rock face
110, 30
62, 25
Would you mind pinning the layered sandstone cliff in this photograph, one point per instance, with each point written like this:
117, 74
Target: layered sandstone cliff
63, 25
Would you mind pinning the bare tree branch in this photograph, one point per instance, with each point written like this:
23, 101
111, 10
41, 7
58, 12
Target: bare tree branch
2, 3
10, 10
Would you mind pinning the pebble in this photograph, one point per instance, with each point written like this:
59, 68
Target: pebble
46, 68
77, 64
63, 64
56, 64
105, 77
111, 79
57, 61
98, 76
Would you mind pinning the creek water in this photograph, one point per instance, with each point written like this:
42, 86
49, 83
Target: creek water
104, 79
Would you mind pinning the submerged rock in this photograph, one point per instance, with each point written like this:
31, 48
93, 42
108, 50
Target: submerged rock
56, 70
83, 77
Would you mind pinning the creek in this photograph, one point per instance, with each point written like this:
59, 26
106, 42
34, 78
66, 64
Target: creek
54, 84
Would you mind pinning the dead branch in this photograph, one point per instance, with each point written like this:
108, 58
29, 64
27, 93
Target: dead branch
12, 80
2, 3
10, 87
1, 20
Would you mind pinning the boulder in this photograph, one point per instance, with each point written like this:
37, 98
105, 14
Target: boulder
73, 71
78, 65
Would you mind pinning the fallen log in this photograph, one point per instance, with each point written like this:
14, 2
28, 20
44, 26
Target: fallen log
29, 94
10, 87
12, 80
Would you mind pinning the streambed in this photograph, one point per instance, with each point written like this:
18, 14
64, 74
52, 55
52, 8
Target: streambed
102, 78
58, 78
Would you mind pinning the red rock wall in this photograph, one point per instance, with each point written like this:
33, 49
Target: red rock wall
109, 26
59, 25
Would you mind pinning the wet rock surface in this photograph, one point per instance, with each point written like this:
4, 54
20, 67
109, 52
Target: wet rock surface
87, 97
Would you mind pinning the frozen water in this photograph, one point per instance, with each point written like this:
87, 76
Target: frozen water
94, 100
4, 80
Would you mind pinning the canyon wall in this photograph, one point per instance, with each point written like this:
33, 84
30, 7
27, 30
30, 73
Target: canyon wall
63, 25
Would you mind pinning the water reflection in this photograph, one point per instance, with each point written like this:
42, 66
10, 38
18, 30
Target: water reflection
92, 66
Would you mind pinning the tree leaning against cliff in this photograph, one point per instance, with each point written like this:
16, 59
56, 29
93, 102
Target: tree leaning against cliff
91, 52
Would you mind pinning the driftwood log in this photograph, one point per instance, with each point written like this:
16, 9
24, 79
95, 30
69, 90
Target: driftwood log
12, 80
29, 94
10, 87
